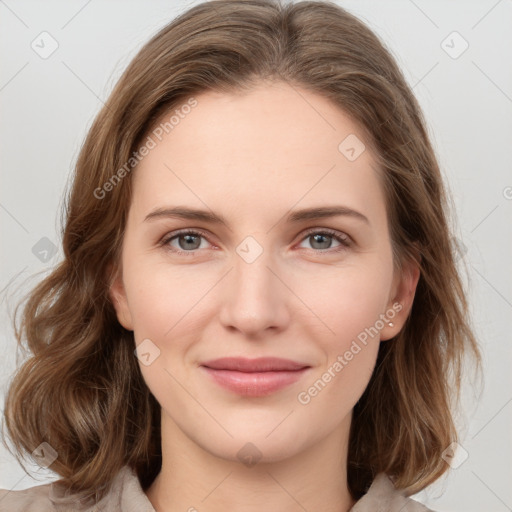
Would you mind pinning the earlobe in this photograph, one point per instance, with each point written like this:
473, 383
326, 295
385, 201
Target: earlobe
401, 303
117, 294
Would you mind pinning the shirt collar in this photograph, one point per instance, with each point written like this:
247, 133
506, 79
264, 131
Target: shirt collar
126, 495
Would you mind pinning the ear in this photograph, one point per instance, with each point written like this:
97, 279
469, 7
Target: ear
118, 297
405, 282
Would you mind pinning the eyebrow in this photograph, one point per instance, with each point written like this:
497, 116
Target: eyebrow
181, 212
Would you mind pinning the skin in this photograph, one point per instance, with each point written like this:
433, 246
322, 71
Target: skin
252, 158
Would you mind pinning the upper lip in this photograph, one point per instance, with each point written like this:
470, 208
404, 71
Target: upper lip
261, 364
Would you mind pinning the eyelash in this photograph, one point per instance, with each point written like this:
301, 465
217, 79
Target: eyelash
343, 239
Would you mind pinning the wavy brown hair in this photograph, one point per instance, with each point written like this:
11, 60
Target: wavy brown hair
81, 389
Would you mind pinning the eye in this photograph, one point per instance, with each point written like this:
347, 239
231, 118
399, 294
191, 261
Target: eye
187, 241
321, 239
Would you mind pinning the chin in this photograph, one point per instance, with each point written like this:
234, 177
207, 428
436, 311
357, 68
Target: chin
251, 446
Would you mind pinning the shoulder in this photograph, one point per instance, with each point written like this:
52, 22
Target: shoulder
125, 495
383, 497
33, 499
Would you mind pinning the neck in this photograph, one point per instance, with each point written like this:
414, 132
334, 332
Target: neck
193, 479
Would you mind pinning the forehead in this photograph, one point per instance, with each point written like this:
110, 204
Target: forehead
259, 150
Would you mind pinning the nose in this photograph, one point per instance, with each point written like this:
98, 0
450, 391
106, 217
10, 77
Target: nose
256, 298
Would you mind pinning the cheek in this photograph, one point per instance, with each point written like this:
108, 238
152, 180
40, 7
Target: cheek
348, 301
351, 307
162, 307
161, 298
168, 308
355, 317
336, 388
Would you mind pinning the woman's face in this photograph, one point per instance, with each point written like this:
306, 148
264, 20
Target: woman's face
268, 281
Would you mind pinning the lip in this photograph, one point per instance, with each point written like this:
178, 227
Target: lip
260, 364
254, 377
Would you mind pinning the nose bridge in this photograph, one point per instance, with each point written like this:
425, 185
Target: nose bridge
255, 299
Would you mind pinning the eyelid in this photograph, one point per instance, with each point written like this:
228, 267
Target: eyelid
342, 237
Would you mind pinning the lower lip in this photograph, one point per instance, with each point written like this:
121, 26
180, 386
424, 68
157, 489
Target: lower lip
256, 383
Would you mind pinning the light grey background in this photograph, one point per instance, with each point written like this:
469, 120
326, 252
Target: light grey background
47, 106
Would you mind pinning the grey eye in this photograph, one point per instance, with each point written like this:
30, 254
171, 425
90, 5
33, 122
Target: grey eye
189, 241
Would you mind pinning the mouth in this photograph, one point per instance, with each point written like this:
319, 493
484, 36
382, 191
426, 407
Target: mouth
254, 377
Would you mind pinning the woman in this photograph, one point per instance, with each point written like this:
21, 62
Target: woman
304, 350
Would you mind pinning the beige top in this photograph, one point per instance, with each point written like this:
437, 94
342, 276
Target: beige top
126, 495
